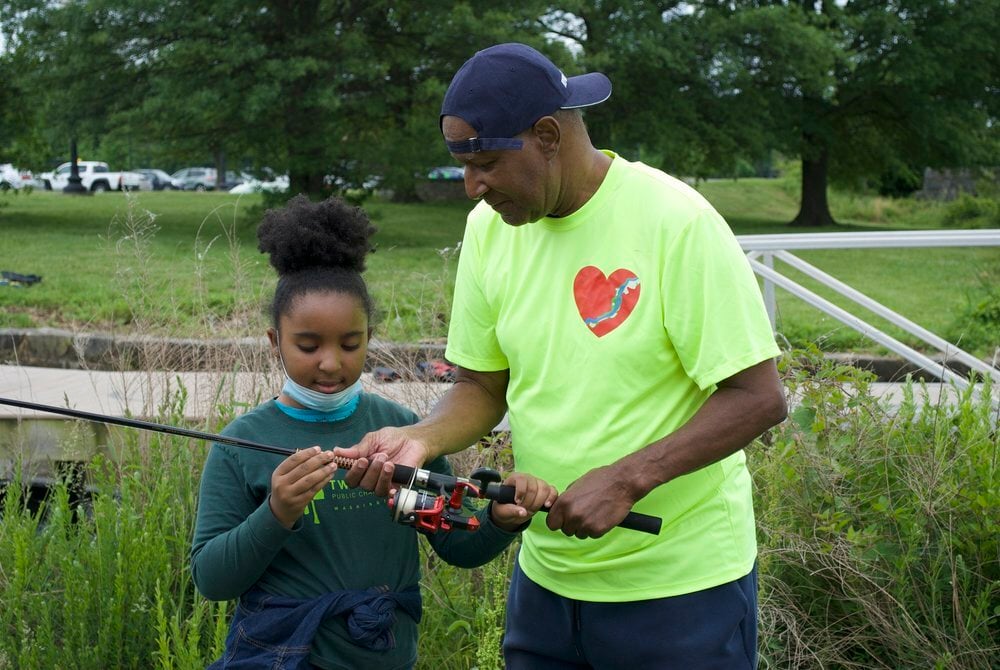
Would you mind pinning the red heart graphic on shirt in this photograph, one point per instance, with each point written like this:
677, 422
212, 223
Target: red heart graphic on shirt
605, 302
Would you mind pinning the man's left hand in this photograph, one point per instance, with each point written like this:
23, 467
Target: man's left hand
592, 505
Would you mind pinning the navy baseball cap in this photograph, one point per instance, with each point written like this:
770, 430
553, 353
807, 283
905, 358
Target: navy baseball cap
503, 90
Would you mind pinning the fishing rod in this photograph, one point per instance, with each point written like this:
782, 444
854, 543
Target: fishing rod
426, 512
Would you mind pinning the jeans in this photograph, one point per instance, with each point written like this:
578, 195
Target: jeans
714, 629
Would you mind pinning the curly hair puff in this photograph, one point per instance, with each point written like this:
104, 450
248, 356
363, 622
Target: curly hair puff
316, 247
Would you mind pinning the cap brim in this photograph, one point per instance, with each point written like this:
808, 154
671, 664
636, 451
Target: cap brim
588, 89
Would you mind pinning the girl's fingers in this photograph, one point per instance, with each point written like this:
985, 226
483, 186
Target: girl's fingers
524, 492
531, 493
297, 459
316, 479
304, 472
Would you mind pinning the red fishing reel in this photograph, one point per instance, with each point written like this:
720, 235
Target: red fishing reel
431, 512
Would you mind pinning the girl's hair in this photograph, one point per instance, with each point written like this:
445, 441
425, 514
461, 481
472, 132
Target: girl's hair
316, 247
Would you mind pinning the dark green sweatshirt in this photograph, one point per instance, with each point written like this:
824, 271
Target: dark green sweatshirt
345, 540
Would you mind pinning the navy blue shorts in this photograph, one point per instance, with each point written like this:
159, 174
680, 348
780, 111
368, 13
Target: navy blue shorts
714, 628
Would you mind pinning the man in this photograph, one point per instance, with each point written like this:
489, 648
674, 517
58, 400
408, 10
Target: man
609, 310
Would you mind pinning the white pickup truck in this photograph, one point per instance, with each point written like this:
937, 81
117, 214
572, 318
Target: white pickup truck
95, 176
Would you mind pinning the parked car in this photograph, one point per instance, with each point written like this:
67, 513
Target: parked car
160, 179
447, 173
234, 179
442, 183
95, 176
195, 178
13, 178
203, 178
335, 183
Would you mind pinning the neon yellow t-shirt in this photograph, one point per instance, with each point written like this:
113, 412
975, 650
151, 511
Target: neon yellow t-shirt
616, 322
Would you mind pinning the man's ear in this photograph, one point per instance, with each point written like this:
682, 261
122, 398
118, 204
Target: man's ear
548, 132
272, 336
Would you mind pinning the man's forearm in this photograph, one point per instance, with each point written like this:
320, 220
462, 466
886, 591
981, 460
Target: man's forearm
471, 408
740, 410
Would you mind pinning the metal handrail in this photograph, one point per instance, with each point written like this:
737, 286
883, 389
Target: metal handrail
987, 237
762, 250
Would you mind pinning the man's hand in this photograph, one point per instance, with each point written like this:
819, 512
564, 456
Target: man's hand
375, 455
297, 480
471, 407
530, 495
592, 505
742, 407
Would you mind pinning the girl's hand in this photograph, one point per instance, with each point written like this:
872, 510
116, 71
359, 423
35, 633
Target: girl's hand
530, 495
297, 480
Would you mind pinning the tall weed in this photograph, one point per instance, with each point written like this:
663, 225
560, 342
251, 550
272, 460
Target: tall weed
106, 584
879, 533
978, 326
879, 527
464, 610
969, 211
417, 308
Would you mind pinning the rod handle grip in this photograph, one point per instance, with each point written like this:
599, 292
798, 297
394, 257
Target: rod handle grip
644, 523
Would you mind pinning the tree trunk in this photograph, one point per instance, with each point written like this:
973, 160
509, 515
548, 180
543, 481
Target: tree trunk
310, 183
814, 211
221, 183
75, 185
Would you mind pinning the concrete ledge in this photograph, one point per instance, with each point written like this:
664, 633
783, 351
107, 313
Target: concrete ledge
53, 348
891, 369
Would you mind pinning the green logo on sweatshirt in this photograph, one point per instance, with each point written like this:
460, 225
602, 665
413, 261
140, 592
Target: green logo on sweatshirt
342, 498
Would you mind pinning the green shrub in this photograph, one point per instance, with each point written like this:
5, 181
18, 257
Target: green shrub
879, 528
967, 211
978, 326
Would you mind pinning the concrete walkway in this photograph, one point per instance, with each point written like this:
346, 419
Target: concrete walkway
191, 394
41, 440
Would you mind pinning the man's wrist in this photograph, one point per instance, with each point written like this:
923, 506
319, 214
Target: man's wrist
425, 438
637, 474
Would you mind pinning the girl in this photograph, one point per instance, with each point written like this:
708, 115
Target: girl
323, 574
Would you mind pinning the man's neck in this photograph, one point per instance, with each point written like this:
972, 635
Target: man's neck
584, 182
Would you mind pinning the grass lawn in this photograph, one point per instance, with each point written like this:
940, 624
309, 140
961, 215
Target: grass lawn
186, 264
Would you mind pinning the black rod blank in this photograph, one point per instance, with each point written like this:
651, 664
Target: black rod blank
149, 425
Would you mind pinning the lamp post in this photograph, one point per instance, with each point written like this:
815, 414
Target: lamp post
75, 185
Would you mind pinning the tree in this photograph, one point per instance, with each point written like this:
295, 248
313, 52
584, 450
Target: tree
7, 109
669, 108
329, 91
855, 89
859, 89
68, 74
335, 91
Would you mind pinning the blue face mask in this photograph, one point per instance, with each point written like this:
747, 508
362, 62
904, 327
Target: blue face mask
342, 402
333, 406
